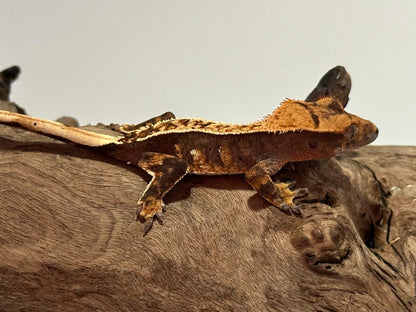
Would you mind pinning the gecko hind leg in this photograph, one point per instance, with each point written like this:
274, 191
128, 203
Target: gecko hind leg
126, 128
277, 193
166, 171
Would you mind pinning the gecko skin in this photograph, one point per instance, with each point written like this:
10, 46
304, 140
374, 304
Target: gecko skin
169, 149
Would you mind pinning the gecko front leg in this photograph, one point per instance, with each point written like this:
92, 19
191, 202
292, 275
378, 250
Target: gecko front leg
166, 171
278, 194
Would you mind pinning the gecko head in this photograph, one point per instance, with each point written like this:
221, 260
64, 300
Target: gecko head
326, 116
358, 133
354, 131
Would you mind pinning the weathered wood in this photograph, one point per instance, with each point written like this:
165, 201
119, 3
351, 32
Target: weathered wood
7, 77
69, 241
336, 82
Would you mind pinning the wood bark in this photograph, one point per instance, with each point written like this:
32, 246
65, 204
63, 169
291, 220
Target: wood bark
69, 240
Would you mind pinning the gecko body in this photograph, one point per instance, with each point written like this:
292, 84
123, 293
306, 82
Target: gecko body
171, 148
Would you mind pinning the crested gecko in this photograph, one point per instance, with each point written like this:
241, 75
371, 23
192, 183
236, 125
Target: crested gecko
168, 148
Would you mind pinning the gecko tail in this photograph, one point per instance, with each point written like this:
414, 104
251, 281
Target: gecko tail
76, 135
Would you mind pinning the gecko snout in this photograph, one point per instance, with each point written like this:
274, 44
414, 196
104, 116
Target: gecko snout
372, 132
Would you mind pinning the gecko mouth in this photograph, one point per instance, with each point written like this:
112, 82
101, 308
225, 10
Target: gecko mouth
372, 136
358, 142
368, 135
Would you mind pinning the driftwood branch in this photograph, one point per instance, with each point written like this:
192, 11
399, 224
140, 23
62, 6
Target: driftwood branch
336, 83
69, 240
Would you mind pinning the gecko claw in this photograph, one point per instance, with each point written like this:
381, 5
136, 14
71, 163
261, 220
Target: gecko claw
148, 226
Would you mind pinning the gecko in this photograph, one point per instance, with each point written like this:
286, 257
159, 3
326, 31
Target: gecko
168, 148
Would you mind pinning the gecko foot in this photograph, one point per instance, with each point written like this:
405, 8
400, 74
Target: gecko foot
300, 192
285, 198
286, 194
150, 208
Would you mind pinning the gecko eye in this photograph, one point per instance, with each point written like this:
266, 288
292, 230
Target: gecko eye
351, 131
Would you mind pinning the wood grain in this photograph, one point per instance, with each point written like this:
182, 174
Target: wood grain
69, 240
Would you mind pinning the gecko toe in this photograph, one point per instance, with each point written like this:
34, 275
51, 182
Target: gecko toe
148, 226
290, 184
138, 210
300, 192
297, 210
159, 216
163, 206
284, 207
